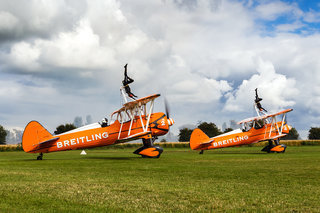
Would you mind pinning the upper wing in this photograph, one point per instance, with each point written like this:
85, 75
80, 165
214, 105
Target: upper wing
139, 102
264, 116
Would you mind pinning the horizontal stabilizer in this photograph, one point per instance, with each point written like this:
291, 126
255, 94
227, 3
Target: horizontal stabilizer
199, 140
50, 140
133, 137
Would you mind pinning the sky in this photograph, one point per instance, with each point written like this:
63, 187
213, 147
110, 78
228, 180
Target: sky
64, 58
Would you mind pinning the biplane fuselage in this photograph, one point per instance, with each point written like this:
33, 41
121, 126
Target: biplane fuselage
132, 122
96, 137
254, 130
239, 137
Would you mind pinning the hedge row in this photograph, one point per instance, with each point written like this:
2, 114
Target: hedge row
4, 148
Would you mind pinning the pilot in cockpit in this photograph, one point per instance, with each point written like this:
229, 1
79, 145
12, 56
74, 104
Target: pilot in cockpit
104, 122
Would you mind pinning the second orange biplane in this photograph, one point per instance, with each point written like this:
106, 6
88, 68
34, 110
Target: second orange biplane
264, 127
135, 120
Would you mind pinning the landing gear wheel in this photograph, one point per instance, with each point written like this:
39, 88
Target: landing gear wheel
268, 147
201, 152
40, 156
148, 150
277, 147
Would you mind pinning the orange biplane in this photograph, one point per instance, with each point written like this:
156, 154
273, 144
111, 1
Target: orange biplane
135, 120
264, 127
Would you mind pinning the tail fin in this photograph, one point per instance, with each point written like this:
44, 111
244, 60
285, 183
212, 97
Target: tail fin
199, 139
33, 135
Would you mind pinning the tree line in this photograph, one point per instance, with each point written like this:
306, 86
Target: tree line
5, 135
210, 129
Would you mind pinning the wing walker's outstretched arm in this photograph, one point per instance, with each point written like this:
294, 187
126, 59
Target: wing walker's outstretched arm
126, 81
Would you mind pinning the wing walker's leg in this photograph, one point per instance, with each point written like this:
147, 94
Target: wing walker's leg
40, 156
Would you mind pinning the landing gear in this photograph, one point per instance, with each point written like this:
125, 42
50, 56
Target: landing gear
276, 147
148, 150
201, 152
268, 147
40, 156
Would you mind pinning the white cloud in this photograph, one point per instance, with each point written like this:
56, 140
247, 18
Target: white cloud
277, 90
36, 18
274, 9
25, 56
312, 16
7, 21
198, 90
80, 48
209, 55
289, 27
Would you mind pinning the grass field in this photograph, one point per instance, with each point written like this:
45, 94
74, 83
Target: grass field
226, 180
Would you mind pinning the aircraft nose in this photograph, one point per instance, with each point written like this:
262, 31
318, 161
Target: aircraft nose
170, 121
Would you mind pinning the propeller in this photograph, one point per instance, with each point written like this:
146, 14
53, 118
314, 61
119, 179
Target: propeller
167, 108
166, 104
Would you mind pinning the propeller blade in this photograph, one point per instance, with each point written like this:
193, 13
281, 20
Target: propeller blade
167, 108
285, 119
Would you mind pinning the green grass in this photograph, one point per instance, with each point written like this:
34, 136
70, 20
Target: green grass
226, 180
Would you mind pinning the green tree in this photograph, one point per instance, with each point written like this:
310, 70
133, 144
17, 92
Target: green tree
64, 128
292, 135
314, 133
227, 130
184, 134
210, 129
3, 135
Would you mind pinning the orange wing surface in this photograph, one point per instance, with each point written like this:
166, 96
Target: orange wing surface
264, 116
140, 102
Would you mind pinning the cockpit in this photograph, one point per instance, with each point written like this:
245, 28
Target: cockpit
256, 124
104, 122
